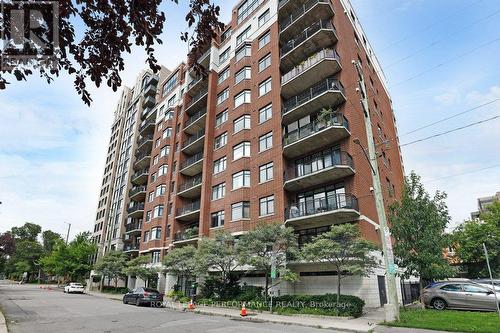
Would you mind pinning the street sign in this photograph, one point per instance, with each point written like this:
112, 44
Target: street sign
273, 266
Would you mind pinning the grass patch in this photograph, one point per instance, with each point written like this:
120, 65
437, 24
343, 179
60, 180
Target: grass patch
449, 320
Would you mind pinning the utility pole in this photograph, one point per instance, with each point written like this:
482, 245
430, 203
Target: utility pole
67, 234
491, 278
392, 308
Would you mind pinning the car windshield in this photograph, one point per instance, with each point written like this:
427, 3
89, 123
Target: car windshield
76, 285
149, 290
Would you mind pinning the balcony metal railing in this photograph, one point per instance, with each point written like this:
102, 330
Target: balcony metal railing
322, 205
188, 233
135, 208
142, 156
137, 189
337, 119
140, 173
297, 13
193, 138
310, 62
145, 124
305, 34
336, 158
131, 247
197, 97
133, 226
194, 82
195, 117
144, 139
281, 3
189, 208
190, 183
315, 90
192, 160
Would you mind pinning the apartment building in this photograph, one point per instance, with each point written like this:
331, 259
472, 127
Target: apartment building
265, 136
483, 203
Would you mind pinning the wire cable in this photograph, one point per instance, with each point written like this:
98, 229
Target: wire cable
464, 173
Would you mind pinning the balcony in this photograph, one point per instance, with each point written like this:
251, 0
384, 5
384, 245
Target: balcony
197, 102
140, 177
196, 122
193, 165
197, 85
147, 126
194, 143
204, 61
149, 102
137, 193
317, 67
189, 212
145, 142
136, 210
146, 112
191, 188
131, 248
320, 35
315, 134
150, 90
142, 160
189, 235
328, 169
134, 227
333, 209
153, 80
329, 92
303, 16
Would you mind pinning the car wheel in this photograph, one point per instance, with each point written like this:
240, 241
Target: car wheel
438, 304
124, 301
138, 302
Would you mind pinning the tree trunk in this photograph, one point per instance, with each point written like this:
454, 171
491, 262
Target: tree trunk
338, 286
421, 288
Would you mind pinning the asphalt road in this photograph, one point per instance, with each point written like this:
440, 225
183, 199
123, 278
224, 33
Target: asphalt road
30, 309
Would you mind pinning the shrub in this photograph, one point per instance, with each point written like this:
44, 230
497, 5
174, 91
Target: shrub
250, 293
214, 287
112, 290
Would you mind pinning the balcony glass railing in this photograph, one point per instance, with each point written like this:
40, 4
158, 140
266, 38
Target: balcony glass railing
305, 34
330, 203
299, 12
189, 208
135, 208
197, 97
312, 92
195, 82
146, 124
194, 138
310, 62
140, 173
192, 160
311, 164
137, 189
144, 139
337, 119
142, 156
133, 226
195, 117
188, 233
131, 247
190, 183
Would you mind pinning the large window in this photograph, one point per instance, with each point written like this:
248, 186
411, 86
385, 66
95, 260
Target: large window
244, 51
223, 76
244, 74
319, 161
224, 55
266, 141
264, 18
165, 151
240, 210
242, 97
266, 172
219, 191
241, 179
217, 219
265, 39
241, 150
241, 123
158, 211
247, 8
221, 118
266, 206
161, 189
156, 233
220, 165
155, 257
162, 170
220, 141
222, 96
265, 87
265, 62
244, 35
167, 133
265, 113
170, 84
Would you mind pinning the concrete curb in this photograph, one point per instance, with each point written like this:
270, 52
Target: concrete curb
3, 324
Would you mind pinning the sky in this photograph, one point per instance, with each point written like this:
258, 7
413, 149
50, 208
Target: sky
440, 58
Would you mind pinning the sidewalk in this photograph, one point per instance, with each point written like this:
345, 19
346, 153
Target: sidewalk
3, 323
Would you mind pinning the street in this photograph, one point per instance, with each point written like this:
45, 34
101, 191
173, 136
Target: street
30, 309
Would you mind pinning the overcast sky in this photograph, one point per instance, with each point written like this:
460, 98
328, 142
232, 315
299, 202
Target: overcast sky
440, 58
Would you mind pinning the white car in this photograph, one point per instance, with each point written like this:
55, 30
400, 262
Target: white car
74, 287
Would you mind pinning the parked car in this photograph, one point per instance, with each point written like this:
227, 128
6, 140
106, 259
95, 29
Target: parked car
487, 283
74, 287
141, 296
459, 295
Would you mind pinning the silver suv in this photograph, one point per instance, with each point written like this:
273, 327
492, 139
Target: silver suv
459, 295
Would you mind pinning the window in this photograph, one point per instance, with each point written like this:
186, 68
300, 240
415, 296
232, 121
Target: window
151, 196
224, 55
244, 35
217, 219
265, 62
241, 150
155, 257
452, 287
148, 216
266, 172
162, 170
265, 113
167, 133
156, 159
222, 96
241, 123
220, 141
220, 165
265, 39
266, 206
170, 84
226, 35
153, 177
158, 211
266, 141
161, 189
155, 233
221, 118
242, 97
219, 191
169, 115
265, 87
247, 8
240, 210
157, 143
470, 288
264, 18
171, 101
241, 179
244, 51
244, 74
223, 76
146, 236
165, 151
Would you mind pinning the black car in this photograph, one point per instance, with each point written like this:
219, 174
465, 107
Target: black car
142, 296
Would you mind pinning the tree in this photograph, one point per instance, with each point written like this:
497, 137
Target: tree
29, 231
418, 224
344, 248
93, 37
469, 238
182, 262
112, 265
139, 267
28, 250
49, 240
265, 244
7, 244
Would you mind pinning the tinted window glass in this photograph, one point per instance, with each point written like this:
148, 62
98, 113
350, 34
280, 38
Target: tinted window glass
452, 287
470, 288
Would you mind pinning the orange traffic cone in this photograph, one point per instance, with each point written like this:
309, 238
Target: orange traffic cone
191, 305
243, 312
